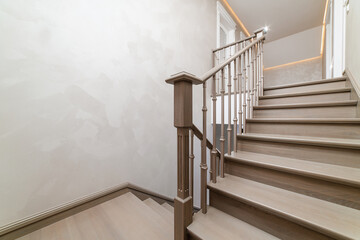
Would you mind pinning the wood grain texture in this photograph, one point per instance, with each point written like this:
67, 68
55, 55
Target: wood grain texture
50, 217
265, 221
307, 83
305, 88
219, 225
328, 172
304, 184
330, 219
338, 156
116, 219
168, 207
324, 128
308, 97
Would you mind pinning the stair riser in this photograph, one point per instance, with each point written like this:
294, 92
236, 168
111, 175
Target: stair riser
307, 99
311, 112
332, 191
316, 87
269, 222
339, 130
331, 155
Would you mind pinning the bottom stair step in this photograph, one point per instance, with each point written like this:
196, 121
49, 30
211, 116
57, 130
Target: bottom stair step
330, 219
216, 225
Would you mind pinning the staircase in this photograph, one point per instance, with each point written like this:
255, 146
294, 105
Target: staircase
291, 165
124, 217
296, 171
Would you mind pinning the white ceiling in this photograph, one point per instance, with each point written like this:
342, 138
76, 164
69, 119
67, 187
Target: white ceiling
284, 17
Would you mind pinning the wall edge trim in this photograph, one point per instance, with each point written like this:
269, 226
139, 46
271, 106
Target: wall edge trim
14, 229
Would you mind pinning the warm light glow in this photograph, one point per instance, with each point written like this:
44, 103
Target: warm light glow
292, 63
236, 18
323, 29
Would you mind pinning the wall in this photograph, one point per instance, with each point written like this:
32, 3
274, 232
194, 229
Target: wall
83, 102
352, 52
293, 48
299, 72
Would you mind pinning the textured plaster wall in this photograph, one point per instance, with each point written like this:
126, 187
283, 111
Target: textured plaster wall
294, 73
293, 48
352, 52
83, 102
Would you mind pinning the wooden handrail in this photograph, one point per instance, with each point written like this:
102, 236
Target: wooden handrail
232, 44
214, 70
199, 135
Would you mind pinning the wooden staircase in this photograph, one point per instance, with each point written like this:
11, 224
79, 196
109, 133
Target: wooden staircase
124, 217
295, 173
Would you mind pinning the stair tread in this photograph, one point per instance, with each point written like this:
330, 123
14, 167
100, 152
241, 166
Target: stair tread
168, 207
336, 173
329, 218
168, 216
127, 212
307, 93
306, 120
308, 105
306, 83
216, 224
308, 140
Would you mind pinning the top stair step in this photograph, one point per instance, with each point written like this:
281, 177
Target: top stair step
216, 225
328, 218
325, 84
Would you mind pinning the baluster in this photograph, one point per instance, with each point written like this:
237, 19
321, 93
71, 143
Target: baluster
243, 96
248, 83
192, 156
203, 156
256, 84
258, 74
222, 137
218, 75
251, 81
235, 104
262, 67
214, 152
229, 110
240, 92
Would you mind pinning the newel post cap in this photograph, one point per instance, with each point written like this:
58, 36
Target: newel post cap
183, 77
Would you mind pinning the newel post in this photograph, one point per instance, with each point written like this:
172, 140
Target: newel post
183, 202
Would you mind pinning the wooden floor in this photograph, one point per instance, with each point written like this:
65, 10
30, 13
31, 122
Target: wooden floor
124, 217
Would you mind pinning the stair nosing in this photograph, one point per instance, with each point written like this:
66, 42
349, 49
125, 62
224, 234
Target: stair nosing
307, 105
309, 93
322, 81
305, 120
276, 211
294, 170
315, 141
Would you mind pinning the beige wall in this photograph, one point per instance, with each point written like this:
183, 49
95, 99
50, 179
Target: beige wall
352, 59
83, 102
294, 73
293, 48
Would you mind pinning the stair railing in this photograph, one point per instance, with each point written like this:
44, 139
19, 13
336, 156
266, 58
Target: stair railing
245, 69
